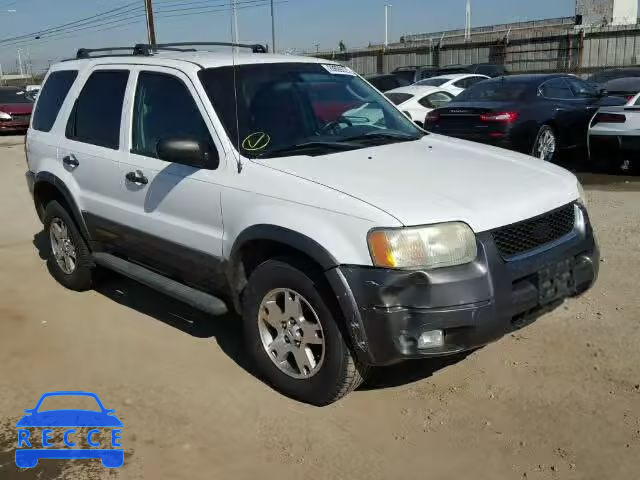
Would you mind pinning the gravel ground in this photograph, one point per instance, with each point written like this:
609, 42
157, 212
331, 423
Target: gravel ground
559, 399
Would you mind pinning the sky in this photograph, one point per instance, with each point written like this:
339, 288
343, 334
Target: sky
300, 24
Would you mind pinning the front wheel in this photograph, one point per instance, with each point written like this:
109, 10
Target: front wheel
545, 146
294, 336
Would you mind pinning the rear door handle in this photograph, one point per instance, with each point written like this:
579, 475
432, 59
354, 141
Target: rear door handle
71, 161
137, 177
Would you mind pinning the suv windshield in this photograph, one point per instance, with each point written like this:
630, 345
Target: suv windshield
287, 106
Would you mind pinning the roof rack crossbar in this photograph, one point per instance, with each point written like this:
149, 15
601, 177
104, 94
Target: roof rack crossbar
255, 47
86, 52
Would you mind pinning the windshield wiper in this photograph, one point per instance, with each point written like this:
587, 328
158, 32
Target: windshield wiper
375, 135
317, 146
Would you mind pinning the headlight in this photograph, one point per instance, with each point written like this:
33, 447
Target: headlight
582, 198
433, 246
5, 116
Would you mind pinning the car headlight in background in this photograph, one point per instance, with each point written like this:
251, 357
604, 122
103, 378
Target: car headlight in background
582, 198
433, 246
5, 116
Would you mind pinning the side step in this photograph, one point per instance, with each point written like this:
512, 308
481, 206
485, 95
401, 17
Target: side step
190, 296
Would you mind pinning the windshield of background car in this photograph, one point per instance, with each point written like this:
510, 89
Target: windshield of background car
494, 91
432, 82
14, 96
286, 104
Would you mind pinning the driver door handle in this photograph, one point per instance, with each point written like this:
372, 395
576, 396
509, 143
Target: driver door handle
71, 161
137, 177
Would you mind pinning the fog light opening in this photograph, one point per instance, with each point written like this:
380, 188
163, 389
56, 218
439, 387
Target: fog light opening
431, 339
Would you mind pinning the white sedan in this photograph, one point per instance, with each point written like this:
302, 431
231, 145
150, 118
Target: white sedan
614, 137
455, 83
416, 101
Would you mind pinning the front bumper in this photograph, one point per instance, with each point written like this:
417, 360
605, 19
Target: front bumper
473, 304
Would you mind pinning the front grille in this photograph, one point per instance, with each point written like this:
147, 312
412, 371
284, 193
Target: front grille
21, 118
536, 232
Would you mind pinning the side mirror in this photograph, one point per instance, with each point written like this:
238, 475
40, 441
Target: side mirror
188, 152
602, 92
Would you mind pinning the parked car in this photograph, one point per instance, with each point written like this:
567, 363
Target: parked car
626, 87
455, 83
416, 100
339, 246
604, 76
412, 74
535, 114
488, 69
15, 109
614, 137
387, 81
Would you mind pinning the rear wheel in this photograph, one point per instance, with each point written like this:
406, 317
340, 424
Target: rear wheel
69, 259
293, 334
545, 146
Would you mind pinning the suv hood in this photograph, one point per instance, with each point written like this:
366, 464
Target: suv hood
439, 179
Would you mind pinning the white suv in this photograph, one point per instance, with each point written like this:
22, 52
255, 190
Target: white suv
253, 182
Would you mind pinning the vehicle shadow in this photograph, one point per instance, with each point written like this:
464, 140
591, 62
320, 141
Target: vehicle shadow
227, 329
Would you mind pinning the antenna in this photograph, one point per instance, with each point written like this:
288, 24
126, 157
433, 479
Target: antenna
467, 22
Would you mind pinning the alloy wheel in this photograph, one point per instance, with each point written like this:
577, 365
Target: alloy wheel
291, 333
62, 247
545, 147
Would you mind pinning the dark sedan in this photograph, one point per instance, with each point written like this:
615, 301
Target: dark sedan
534, 114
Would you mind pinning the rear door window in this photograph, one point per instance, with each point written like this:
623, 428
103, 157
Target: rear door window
97, 113
398, 98
51, 98
556, 88
435, 100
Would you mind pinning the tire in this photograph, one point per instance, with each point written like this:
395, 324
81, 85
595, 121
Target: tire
335, 372
77, 277
545, 134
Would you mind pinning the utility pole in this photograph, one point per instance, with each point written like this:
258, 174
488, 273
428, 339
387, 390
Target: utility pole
151, 28
273, 30
386, 25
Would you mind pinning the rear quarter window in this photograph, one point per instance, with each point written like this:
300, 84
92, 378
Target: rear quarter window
51, 98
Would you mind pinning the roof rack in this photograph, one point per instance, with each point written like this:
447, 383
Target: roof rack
148, 49
86, 52
145, 49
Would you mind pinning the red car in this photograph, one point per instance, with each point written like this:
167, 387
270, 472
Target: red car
15, 109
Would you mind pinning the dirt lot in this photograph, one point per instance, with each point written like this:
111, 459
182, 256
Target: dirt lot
557, 400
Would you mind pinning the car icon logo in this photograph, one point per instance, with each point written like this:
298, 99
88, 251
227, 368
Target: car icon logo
68, 420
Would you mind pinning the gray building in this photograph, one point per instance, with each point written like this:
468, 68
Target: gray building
607, 12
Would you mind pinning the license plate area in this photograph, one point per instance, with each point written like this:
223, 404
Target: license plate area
556, 281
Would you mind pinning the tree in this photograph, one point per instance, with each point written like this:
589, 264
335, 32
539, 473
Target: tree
341, 46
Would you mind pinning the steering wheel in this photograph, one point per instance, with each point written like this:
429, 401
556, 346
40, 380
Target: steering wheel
332, 127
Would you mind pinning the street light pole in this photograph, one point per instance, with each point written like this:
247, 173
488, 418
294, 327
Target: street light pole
273, 30
151, 28
386, 25
20, 62
236, 37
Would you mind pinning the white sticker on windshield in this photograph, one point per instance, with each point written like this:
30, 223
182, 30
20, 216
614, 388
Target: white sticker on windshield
338, 69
